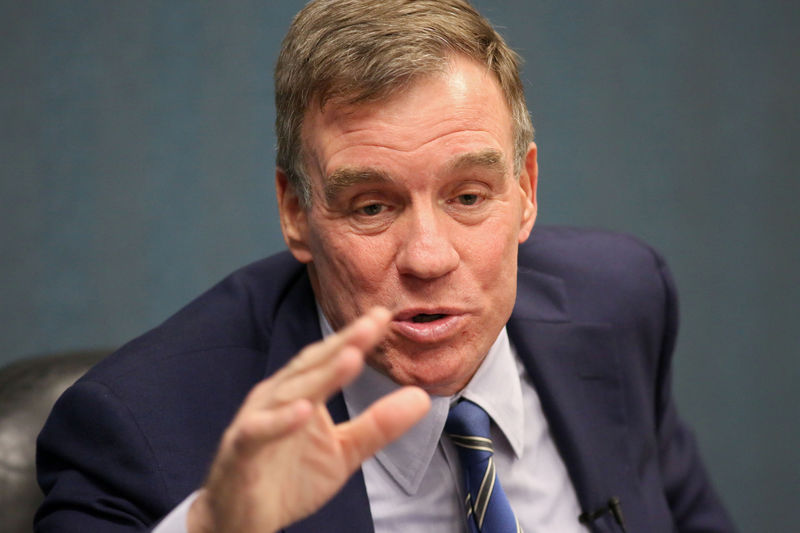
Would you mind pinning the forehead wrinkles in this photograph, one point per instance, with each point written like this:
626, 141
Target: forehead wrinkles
409, 122
443, 135
400, 130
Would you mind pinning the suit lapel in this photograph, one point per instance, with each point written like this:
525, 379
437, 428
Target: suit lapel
295, 326
575, 369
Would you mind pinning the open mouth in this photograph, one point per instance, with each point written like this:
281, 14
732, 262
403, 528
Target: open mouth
429, 328
423, 317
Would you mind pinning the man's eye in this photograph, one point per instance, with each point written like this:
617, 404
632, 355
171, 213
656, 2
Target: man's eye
468, 199
371, 210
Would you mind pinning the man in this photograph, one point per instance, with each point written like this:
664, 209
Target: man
406, 182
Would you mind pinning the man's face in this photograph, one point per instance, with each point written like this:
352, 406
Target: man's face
416, 208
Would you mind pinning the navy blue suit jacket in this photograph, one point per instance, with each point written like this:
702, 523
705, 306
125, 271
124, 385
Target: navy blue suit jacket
594, 323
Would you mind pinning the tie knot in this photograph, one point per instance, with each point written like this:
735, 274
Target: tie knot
468, 427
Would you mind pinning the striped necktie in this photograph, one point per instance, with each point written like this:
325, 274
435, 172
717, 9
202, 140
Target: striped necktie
488, 509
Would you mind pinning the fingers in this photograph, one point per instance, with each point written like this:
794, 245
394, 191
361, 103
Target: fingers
384, 421
283, 427
267, 424
367, 331
324, 367
321, 381
363, 334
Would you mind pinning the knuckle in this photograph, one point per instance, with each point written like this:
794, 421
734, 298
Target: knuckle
240, 437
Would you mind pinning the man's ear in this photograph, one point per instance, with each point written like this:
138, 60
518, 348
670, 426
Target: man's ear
294, 218
528, 178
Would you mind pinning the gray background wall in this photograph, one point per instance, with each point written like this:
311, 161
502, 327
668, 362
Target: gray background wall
136, 156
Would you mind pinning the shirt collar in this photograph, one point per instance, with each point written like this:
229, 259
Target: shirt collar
407, 458
496, 388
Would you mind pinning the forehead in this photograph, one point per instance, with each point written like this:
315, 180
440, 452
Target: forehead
439, 116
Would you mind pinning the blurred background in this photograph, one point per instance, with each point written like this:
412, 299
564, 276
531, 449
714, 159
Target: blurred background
136, 169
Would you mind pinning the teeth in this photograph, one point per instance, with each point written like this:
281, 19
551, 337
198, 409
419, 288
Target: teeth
426, 318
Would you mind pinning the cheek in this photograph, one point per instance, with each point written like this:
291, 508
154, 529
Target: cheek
493, 250
356, 263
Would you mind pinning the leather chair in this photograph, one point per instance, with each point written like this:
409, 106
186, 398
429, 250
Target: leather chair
28, 390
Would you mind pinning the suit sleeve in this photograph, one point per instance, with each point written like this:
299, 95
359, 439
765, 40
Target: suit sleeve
96, 468
691, 497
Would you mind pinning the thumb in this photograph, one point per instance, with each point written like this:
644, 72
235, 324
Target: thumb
385, 420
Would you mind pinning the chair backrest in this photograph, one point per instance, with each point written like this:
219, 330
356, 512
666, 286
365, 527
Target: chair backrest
28, 390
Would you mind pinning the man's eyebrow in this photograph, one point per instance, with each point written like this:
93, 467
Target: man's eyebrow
490, 159
344, 178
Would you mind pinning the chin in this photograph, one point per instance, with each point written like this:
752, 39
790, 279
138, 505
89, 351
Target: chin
437, 374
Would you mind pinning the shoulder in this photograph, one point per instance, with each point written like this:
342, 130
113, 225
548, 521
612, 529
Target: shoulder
605, 276
214, 348
168, 395
567, 249
235, 315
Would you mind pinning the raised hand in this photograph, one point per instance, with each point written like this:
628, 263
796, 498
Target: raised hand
282, 457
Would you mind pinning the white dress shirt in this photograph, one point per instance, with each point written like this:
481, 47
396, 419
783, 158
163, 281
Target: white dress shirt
415, 483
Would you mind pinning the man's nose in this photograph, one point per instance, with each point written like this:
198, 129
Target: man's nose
426, 250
